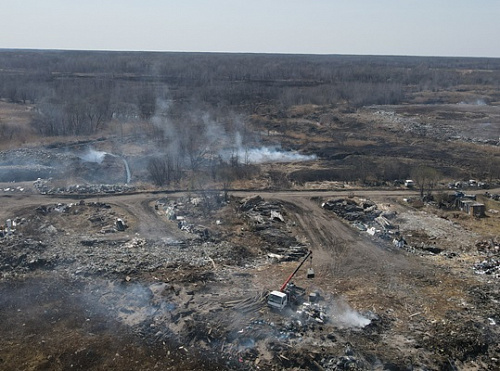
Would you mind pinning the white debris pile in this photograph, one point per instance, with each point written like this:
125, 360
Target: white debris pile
312, 312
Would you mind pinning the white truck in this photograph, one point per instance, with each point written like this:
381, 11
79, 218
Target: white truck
289, 293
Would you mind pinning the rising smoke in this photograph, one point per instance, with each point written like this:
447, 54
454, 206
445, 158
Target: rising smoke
477, 102
265, 155
91, 155
94, 156
342, 315
262, 154
226, 139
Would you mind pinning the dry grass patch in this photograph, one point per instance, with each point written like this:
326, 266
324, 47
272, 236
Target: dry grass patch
359, 142
301, 110
15, 129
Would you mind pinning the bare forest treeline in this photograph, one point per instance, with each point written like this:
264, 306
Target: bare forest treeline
79, 92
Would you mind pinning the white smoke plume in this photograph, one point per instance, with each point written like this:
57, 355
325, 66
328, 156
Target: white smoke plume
228, 139
93, 156
477, 102
342, 315
271, 154
259, 155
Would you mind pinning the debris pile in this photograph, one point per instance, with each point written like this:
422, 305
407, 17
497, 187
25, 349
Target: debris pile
268, 220
262, 212
312, 312
200, 231
13, 189
43, 187
364, 216
493, 196
488, 247
414, 125
135, 243
25, 255
489, 266
350, 210
178, 211
9, 228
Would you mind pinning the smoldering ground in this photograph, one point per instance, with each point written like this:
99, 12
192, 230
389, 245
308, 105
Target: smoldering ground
199, 135
190, 140
64, 164
340, 314
83, 325
91, 155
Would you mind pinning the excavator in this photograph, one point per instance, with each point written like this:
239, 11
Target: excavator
289, 293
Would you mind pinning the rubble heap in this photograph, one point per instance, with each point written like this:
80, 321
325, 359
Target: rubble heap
348, 209
44, 187
491, 265
488, 246
364, 215
268, 220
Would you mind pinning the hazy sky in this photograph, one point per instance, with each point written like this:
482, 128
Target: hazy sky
381, 27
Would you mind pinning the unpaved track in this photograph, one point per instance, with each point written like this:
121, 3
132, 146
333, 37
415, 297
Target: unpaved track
406, 291
149, 224
345, 255
339, 250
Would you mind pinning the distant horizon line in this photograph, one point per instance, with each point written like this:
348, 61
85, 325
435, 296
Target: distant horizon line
241, 53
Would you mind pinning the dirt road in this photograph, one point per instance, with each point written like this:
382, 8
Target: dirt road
425, 311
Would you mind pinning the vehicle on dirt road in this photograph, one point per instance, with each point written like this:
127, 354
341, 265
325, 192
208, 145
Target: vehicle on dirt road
289, 293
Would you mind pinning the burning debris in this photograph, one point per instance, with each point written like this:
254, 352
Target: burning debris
26, 164
343, 316
204, 294
311, 312
29, 164
107, 160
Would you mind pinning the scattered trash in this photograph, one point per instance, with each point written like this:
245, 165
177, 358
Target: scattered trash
489, 266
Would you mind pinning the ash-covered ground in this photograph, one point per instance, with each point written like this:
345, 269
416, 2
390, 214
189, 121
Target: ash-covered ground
97, 273
179, 281
80, 164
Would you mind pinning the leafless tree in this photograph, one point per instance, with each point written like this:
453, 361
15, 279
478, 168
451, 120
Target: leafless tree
158, 169
426, 178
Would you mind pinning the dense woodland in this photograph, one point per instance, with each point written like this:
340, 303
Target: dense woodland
77, 93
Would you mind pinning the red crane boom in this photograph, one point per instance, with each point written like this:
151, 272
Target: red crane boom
282, 289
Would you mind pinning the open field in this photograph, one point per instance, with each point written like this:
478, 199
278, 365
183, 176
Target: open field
148, 234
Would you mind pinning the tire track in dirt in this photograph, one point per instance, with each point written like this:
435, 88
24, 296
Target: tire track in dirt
149, 224
340, 250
